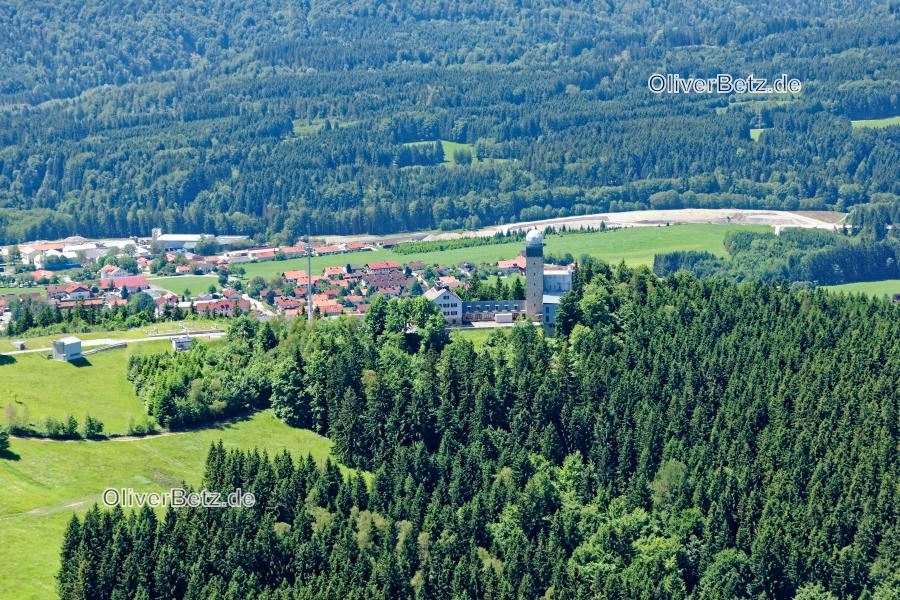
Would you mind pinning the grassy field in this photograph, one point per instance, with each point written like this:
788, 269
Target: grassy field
197, 284
451, 147
17, 291
887, 287
477, 336
97, 386
634, 245
45, 481
876, 123
754, 133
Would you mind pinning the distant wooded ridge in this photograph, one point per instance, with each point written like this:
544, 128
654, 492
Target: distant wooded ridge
277, 118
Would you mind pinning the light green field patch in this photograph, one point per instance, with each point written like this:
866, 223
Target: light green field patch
754, 133
451, 148
876, 123
98, 385
46, 481
18, 291
196, 284
887, 287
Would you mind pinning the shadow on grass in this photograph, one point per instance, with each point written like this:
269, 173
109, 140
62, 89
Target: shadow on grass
226, 423
9, 455
6, 360
80, 362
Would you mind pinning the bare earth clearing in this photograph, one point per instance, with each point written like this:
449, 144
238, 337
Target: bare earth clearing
639, 218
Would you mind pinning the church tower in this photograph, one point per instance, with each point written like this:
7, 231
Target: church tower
534, 273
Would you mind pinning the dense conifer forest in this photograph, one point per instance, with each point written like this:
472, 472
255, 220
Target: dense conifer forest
278, 117
679, 438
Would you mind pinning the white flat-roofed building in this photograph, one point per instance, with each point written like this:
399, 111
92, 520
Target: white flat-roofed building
67, 349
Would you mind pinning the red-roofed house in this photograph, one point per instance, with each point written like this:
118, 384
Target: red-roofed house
323, 250
286, 302
356, 246
450, 282
112, 271
184, 269
383, 267
263, 254
335, 272
295, 275
68, 291
327, 310
516, 265
43, 274
70, 304
293, 251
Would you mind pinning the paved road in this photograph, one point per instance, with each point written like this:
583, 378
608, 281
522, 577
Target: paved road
211, 334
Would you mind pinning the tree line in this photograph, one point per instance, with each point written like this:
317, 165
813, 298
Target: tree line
802, 257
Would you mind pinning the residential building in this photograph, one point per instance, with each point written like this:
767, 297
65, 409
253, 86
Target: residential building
450, 304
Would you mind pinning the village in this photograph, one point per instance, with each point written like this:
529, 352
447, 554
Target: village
76, 274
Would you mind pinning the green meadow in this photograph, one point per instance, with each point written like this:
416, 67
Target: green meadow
755, 132
177, 284
97, 385
634, 245
44, 482
876, 123
450, 148
887, 287
18, 291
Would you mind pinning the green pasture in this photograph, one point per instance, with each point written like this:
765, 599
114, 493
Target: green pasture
44, 482
876, 123
196, 284
887, 287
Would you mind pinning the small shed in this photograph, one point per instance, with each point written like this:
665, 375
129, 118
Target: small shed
67, 349
181, 343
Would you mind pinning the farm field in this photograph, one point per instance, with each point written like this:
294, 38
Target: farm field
196, 284
876, 123
634, 245
98, 386
45, 481
887, 287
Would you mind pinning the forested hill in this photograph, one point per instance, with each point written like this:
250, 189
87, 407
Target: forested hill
280, 116
683, 439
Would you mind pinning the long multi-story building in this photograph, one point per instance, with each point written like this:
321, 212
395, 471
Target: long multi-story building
544, 287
